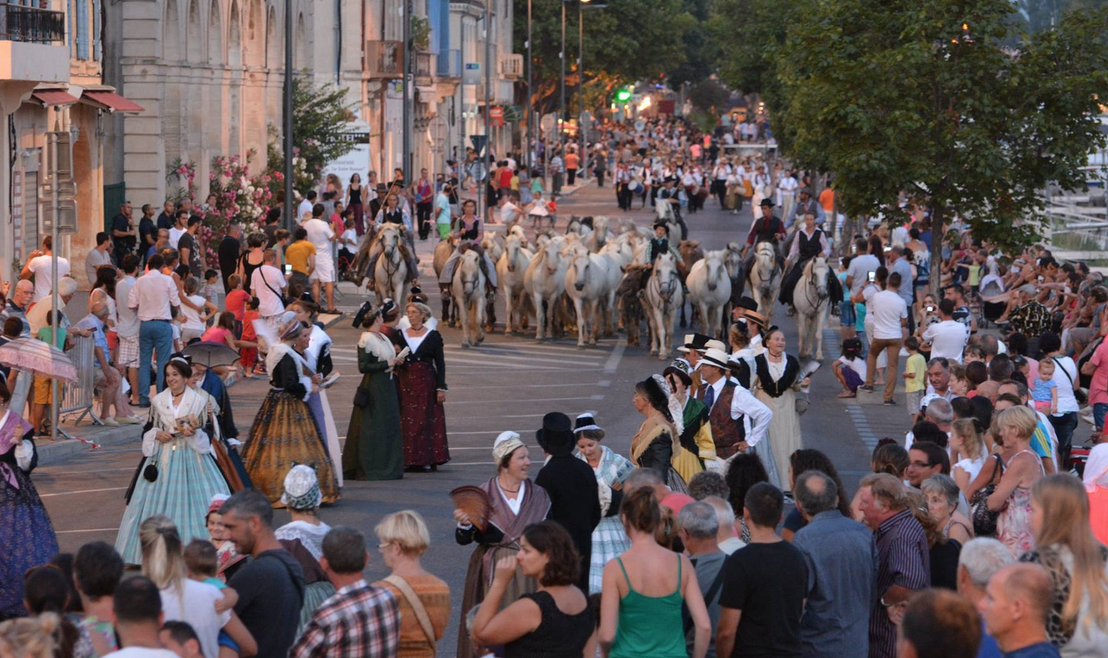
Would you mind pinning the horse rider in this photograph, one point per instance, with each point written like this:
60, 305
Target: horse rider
671, 194
767, 228
392, 214
660, 245
806, 204
809, 242
467, 231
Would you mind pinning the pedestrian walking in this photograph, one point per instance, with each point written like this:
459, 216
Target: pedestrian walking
374, 451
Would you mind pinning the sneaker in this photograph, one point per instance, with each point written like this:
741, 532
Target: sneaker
110, 422
890, 403
865, 387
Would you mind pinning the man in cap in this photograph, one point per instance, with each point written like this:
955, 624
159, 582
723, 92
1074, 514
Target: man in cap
571, 485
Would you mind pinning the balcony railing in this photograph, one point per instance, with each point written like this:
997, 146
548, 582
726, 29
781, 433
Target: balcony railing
31, 24
450, 64
384, 59
511, 66
424, 65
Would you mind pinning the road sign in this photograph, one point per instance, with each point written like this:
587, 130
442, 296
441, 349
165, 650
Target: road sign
473, 66
479, 142
496, 115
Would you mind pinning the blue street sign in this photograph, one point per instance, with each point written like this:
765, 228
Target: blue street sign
473, 66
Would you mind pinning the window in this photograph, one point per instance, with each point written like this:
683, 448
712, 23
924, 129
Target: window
82, 41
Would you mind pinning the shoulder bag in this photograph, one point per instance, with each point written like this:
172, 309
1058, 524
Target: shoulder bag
984, 519
417, 607
284, 301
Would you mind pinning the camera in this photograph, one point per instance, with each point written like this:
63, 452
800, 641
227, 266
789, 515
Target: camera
929, 309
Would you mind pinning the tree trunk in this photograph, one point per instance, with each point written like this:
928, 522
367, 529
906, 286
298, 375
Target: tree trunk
938, 214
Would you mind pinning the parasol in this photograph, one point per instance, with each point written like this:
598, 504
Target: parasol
30, 355
211, 354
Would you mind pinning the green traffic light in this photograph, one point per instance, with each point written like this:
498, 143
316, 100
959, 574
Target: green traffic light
623, 95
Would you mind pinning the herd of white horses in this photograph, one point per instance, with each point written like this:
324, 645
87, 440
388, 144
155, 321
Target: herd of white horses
591, 279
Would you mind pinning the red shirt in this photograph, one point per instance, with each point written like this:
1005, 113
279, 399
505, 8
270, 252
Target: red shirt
236, 303
506, 178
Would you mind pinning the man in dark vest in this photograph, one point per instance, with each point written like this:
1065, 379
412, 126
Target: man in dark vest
808, 243
805, 205
670, 194
571, 485
738, 419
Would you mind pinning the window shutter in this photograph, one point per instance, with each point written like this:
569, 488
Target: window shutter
82, 29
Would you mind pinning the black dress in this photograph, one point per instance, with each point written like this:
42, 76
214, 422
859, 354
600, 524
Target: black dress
558, 636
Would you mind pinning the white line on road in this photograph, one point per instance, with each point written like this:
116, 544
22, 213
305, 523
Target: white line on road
582, 384
617, 354
495, 358
83, 491
73, 532
588, 397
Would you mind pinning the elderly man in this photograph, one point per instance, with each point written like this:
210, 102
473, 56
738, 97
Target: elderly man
938, 378
938, 624
726, 537
698, 527
938, 411
1015, 606
107, 378
16, 306
978, 562
152, 297
903, 557
842, 567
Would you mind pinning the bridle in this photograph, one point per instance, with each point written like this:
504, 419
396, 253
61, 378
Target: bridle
813, 285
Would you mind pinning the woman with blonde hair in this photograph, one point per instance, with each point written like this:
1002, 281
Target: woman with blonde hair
30, 637
1012, 497
970, 447
424, 599
201, 605
1065, 546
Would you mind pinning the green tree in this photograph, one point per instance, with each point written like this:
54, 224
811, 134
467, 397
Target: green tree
924, 97
320, 115
710, 97
700, 46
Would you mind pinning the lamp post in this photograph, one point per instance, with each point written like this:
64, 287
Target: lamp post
406, 155
289, 219
530, 94
562, 108
581, 86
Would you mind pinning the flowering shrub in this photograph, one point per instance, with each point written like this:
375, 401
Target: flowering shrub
238, 197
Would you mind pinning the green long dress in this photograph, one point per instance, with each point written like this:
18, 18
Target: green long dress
374, 445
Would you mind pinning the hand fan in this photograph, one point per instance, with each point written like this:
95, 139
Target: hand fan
474, 502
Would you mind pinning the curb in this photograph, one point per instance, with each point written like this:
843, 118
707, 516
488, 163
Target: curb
54, 452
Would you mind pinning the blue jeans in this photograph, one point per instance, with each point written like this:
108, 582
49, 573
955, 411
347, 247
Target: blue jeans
1099, 411
1064, 426
155, 336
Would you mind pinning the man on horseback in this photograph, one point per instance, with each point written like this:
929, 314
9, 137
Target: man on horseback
809, 242
392, 214
467, 230
767, 228
671, 195
658, 246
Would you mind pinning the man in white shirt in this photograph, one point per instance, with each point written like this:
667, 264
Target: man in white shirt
948, 337
890, 318
137, 608
153, 297
98, 257
306, 204
322, 236
860, 267
180, 227
39, 265
266, 284
127, 324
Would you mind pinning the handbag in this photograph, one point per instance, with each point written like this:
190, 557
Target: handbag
417, 607
984, 519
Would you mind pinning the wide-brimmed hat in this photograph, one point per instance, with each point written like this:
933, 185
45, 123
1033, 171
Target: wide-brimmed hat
302, 488
766, 202
698, 342
587, 423
661, 224
715, 344
715, 357
556, 436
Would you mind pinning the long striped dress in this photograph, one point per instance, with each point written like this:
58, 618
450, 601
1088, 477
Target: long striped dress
187, 476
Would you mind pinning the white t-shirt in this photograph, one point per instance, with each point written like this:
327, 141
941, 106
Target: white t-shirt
319, 234
1064, 382
196, 605
887, 309
41, 268
948, 339
857, 364
860, 267
305, 207
349, 240
141, 652
191, 315
175, 236
128, 323
269, 303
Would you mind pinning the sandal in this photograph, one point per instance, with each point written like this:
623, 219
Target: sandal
847, 394
333, 311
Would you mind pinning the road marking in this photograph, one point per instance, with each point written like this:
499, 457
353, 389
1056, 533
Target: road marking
589, 397
482, 418
582, 384
617, 354
73, 532
83, 491
453, 354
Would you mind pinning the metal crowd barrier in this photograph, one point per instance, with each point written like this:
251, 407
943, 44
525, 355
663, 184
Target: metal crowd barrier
78, 396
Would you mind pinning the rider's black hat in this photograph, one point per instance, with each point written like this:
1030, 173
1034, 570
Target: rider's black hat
766, 202
662, 224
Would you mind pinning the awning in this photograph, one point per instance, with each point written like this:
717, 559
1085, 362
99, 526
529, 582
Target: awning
111, 101
50, 97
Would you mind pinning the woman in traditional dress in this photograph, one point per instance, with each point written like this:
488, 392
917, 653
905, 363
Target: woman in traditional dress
422, 388
778, 376
178, 474
302, 496
26, 534
284, 432
659, 436
697, 446
374, 447
611, 468
210, 387
514, 503
318, 359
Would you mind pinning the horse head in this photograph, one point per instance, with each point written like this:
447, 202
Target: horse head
713, 263
470, 272
553, 254
820, 271
390, 238
665, 275
511, 251
580, 265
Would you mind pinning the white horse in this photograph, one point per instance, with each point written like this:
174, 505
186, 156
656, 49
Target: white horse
493, 245
545, 282
764, 278
390, 277
596, 240
663, 297
710, 290
511, 270
588, 284
663, 211
810, 297
468, 288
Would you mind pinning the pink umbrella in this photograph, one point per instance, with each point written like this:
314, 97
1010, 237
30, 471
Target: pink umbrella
30, 355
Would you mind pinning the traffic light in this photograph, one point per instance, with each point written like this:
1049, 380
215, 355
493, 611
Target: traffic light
623, 95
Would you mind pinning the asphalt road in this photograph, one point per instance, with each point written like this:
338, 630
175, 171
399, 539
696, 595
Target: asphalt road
509, 382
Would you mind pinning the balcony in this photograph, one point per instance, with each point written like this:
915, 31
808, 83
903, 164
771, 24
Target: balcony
384, 60
32, 44
424, 67
449, 64
511, 67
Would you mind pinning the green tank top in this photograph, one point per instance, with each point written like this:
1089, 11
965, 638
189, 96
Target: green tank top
650, 626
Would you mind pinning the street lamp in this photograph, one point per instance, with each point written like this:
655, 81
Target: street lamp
289, 219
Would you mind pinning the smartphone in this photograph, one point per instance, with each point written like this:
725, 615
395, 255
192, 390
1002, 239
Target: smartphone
929, 309
872, 277
1041, 279
288, 268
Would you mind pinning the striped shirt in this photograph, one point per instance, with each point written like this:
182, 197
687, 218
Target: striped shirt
903, 558
358, 621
